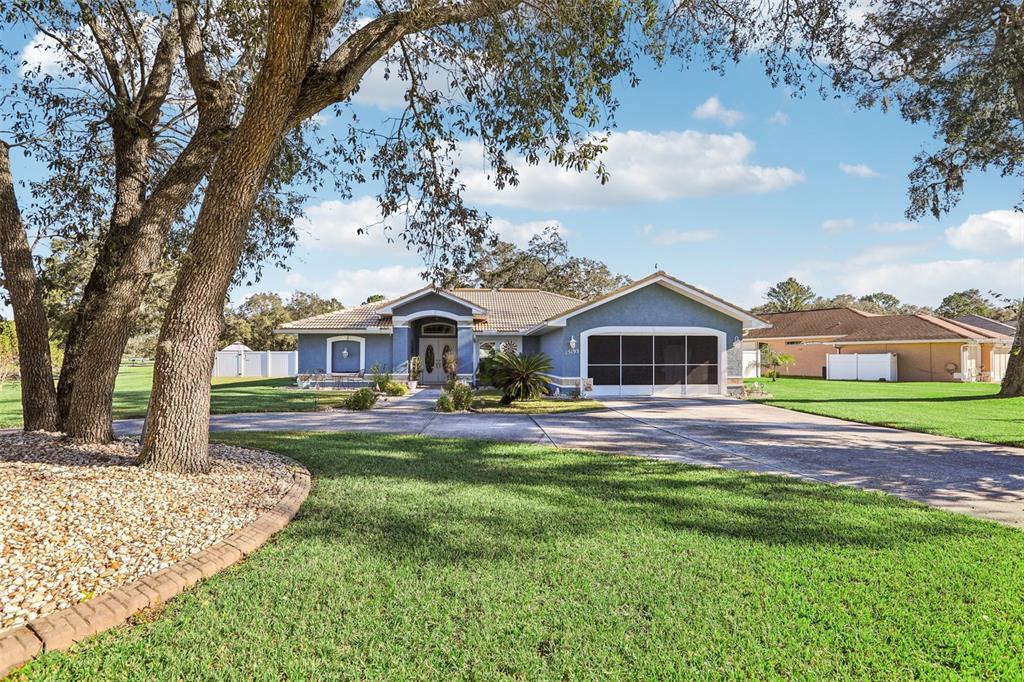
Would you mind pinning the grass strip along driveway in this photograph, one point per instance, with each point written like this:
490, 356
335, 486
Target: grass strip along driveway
489, 400
421, 558
970, 411
227, 396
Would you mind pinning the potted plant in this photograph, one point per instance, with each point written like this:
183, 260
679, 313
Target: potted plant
415, 371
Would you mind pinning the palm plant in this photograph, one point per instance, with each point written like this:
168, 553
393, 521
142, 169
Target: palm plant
772, 361
520, 377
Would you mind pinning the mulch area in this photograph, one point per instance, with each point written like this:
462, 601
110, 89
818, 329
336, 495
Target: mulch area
78, 520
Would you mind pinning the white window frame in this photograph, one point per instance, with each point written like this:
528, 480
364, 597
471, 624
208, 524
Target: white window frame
452, 329
354, 339
723, 355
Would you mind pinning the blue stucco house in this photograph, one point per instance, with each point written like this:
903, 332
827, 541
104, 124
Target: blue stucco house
656, 336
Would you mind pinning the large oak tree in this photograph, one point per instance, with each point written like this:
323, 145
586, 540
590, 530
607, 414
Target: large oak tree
128, 108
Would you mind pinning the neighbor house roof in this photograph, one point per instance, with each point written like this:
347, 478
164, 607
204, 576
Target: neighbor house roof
847, 325
820, 323
917, 328
1008, 328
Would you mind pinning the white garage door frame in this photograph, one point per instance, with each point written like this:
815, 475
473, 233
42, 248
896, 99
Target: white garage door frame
708, 389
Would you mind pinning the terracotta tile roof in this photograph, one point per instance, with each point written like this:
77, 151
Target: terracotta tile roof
360, 317
847, 325
508, 310
811, 323
515, 309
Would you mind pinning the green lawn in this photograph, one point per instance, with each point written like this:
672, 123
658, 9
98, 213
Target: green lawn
131, 396
430, 559
969, 411
490, 401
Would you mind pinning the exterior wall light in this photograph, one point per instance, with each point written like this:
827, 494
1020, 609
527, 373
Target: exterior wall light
573, 349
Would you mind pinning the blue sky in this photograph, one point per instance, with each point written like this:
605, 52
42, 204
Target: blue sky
724, 182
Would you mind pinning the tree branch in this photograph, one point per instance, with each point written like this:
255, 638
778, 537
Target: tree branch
157, 85
107, 51
337, 77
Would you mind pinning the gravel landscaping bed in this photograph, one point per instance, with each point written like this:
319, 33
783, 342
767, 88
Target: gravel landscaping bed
78, 520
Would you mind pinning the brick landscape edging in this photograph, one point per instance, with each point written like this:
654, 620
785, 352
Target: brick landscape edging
60, 629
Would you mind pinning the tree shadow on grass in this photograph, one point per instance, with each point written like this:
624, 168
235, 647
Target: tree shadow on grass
464, 501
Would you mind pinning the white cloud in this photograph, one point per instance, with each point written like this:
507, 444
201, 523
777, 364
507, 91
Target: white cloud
837, 225
858, 170
928, 282
887, 254
779, 118
895, 227
674, 236
382, 87
352, 287
335, 225
993, 232
712, 108
644, 167
521, 233
40, 53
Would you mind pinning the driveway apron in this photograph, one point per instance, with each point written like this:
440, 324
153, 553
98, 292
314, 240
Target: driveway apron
965, 476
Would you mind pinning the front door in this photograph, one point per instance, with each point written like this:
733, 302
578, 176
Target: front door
433, 351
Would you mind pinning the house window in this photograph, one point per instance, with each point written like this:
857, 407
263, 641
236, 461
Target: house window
486, 349
509, 347
438, 329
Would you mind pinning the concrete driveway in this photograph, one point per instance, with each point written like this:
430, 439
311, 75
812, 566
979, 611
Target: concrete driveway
963, 476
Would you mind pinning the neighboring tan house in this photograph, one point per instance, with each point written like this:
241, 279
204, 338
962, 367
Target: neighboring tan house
656, 336
927, 347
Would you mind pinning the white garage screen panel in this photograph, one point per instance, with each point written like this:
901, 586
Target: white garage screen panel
653, 364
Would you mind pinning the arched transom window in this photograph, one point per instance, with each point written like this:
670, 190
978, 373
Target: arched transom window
438, 329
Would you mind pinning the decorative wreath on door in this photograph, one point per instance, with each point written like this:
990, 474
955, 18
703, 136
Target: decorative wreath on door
428, 359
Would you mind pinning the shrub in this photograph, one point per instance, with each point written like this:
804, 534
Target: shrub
363, 399
379, 377
521, 377
394, 388
460, 393
444, 403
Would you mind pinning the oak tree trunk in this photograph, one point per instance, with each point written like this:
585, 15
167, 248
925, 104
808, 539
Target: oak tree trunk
38, 396
177, 426
110, 316
1013, 380
131, 159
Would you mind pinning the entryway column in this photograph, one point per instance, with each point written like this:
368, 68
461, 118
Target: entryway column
401, 350
467, 364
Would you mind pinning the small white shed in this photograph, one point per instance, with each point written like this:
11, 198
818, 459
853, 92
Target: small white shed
861, 367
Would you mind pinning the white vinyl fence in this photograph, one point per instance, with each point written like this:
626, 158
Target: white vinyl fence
751, 364
862, 367
262, 363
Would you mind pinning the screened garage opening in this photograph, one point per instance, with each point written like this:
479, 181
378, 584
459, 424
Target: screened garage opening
653, 364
